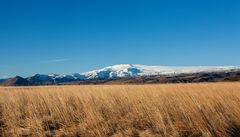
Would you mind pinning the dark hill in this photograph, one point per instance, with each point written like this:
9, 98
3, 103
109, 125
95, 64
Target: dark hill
16, 81
2, 80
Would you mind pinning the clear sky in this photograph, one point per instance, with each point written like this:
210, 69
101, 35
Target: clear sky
66, 36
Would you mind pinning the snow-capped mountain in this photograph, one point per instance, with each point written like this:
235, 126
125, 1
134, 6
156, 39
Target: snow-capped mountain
130, 70
154, 74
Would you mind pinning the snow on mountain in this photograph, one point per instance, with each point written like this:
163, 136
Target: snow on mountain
123, 70
130, 70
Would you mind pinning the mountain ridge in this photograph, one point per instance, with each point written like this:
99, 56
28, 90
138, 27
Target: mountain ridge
123, 71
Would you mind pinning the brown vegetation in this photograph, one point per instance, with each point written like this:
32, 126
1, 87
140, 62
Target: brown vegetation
178, 110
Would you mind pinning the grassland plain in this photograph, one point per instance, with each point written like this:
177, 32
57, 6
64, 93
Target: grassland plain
162, 110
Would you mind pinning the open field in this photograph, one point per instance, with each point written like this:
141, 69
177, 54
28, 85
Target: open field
178, 110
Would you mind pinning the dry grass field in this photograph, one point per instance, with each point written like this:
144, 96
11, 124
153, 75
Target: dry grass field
164, 110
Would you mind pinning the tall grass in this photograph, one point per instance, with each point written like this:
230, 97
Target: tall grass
177, 110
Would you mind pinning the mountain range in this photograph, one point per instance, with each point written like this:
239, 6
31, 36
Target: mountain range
133, 74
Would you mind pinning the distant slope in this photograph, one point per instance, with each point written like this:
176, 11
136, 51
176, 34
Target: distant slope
16, 81
181, 78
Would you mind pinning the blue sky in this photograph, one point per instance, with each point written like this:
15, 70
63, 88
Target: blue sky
65, 36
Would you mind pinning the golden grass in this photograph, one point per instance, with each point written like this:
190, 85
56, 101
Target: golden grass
177, 110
